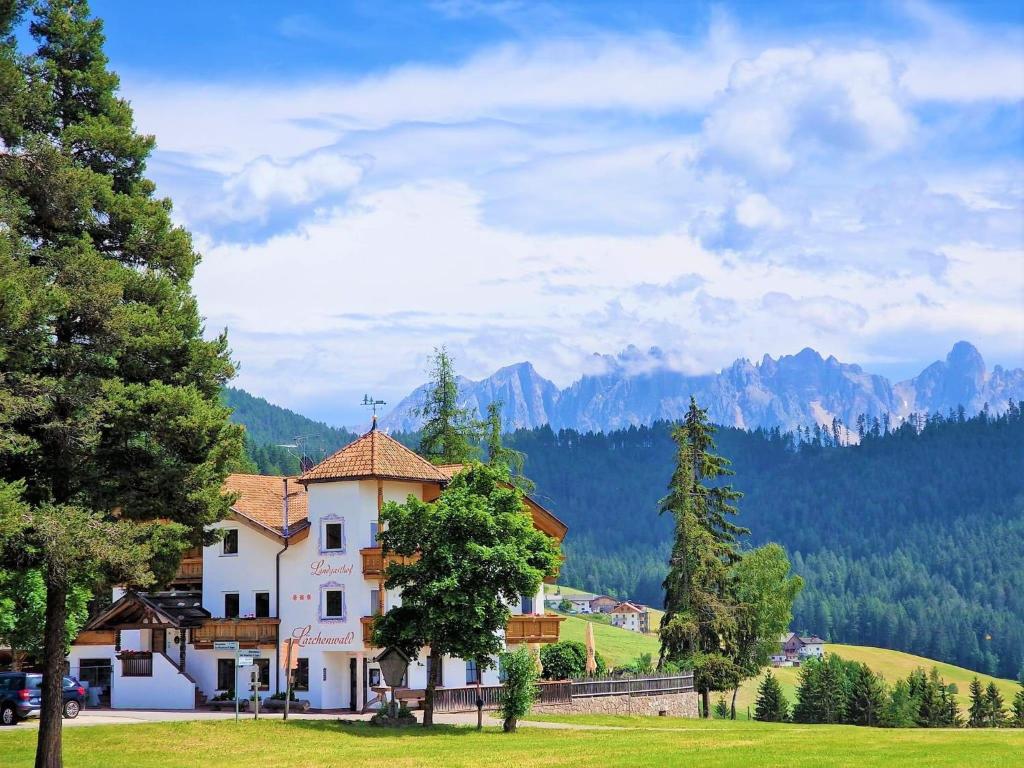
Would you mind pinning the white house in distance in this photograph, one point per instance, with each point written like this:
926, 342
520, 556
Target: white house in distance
794, 648
299, 559
630, 616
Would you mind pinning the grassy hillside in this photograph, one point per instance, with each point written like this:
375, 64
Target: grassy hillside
616, 645
892, 665
619, 646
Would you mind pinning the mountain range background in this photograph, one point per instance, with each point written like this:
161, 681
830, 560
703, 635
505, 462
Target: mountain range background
800, 390
909, 538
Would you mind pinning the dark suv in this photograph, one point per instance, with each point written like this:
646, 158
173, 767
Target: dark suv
21, 696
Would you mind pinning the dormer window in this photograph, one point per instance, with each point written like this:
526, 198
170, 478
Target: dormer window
229, 544
332, 534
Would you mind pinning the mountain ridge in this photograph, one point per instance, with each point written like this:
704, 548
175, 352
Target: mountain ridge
790, 391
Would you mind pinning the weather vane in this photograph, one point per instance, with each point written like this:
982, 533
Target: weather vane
369, 401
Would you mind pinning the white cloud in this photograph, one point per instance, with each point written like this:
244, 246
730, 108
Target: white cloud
264, 182
715, 197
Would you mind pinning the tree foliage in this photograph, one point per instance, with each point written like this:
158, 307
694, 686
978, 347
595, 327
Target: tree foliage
478, 553
700, 616
113, 438
520, 687
450, 434
771, 705
566, 660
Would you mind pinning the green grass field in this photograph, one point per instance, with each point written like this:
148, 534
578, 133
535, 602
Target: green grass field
651, 741
619, 646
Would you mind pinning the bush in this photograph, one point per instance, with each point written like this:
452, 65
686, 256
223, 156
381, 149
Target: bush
282, 695
567, 660
520, 688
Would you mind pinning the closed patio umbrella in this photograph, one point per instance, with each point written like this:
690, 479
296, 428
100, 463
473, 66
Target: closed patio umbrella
591, 651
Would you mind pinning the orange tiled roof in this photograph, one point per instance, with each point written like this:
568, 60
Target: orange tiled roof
261, 500
374, 455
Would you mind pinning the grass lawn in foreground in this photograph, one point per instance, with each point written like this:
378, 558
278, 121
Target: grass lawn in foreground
648, 741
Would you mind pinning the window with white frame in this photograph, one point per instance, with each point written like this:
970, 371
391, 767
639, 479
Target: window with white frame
332, 534
332, 602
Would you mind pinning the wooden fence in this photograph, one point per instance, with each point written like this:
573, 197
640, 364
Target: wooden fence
632, 685
464, 699
564, 691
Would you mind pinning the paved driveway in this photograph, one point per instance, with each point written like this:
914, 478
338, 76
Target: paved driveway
134, 716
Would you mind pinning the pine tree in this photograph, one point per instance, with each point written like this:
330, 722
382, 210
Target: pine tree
699, 613
450, 433
976, 712
901, 708
771, 705
994, 714
867, 697
808, 693
113, 439
501, 456
1017, 708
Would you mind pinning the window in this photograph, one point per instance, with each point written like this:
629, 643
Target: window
264, 667
375, 602
229, 544
527, 604
440, 670
230, 605
332, 534
262, 605
374, 528
472, 673
225, 674
332, 602
300, 676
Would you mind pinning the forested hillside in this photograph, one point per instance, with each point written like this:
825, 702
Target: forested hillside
269, 426
912, 540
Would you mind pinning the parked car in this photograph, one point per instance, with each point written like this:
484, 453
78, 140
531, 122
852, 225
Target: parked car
21, 696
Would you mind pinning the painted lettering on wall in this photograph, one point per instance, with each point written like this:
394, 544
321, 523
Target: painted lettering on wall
305, 637
323, 568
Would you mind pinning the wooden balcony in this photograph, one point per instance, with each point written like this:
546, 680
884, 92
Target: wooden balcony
190, 571
367, 622
528, 629
250, 633
374, 560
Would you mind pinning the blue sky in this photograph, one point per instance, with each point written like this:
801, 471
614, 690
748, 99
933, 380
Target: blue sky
546, 181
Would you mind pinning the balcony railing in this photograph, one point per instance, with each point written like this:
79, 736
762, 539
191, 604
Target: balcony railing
367, 622
190, 571
137, 664
248, 632
533, 629
374, 561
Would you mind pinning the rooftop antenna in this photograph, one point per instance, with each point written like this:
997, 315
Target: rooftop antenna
370, 402
297, 448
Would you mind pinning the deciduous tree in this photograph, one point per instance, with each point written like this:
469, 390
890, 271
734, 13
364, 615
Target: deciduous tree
478, 552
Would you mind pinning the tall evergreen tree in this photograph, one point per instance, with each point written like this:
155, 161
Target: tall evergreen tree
450, 433
113, 440
700, 616
994, 714
867, 697
771, 705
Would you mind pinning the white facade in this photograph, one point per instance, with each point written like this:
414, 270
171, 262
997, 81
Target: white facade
322, 596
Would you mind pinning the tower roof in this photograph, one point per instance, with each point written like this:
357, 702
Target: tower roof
374, 455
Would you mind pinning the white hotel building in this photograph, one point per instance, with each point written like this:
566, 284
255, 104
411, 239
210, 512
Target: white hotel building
299, 558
